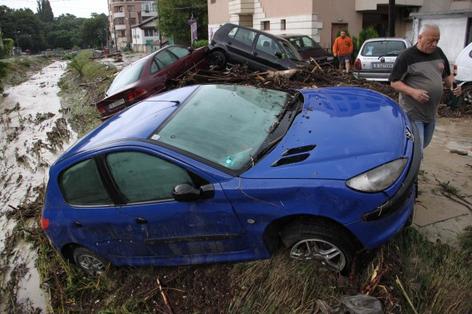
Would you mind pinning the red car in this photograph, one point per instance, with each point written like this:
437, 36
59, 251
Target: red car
149, 76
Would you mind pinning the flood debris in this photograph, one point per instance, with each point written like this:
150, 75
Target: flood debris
310, 76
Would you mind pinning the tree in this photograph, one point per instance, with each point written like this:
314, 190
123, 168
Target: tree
94, 31
174, 16
45, 11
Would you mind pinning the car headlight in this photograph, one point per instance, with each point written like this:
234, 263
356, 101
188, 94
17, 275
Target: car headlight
378, 179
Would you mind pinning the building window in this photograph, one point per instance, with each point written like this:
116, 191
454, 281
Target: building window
265, 25
213, 1
119, 21
121, 33
118, 9
131, 8
132, 21
283, 24
149, 32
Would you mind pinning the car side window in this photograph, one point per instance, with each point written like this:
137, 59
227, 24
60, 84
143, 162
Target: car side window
154, 67
232, 32
267, 45
245, 36
142, 177
164, 59
81, 184
180, 52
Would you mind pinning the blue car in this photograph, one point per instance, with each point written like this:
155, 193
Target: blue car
225, 173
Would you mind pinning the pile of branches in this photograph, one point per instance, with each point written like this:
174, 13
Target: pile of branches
310, 76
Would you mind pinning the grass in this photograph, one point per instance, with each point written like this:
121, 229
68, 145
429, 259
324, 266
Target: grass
16, 70
82, 86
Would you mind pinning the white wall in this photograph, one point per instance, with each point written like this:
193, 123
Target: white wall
453, 34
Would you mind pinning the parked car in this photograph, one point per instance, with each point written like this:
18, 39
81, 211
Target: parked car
149, 76
464, 73
377, 56
224, 173
258, 49
308, 48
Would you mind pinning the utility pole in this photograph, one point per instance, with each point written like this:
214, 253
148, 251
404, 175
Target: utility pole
391, 18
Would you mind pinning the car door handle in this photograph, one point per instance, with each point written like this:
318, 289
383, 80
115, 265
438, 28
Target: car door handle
77, 224
141, 221
230, 43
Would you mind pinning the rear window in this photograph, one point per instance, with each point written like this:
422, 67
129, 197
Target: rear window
81, 184
383, 48
128, 75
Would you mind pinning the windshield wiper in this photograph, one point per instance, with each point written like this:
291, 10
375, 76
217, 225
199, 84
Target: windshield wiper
265, 149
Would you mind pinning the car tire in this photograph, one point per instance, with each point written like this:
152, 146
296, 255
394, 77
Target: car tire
218, 59
89, 261
466, 97
320, 241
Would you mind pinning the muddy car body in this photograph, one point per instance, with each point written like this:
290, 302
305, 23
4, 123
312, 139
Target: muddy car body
258, 49
224, 173
376, 58
464, 73
148, 76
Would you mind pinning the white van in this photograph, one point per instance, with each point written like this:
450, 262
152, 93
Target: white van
464, 72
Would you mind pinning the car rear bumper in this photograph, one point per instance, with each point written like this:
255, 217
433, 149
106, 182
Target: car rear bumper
372, 76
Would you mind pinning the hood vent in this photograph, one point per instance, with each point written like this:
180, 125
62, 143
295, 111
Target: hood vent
298, 150
294, 155
290, 160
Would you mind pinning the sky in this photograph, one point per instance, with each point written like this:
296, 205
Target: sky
79, 8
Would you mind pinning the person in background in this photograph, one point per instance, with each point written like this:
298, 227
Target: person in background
418, 75
342, 48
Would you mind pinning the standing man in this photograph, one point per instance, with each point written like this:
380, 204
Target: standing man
342, 48
418, 75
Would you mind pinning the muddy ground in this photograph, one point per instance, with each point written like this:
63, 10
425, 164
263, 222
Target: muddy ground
36, 130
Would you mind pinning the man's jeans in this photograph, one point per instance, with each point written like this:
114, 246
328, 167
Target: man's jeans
425, 131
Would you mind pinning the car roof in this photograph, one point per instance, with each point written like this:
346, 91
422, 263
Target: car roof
137, 122
386, 39
292, 35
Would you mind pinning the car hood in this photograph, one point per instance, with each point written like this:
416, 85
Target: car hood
340, 133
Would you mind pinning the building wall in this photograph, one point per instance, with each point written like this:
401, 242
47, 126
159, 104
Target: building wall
453, 33
287, 8
336, 11
121, 22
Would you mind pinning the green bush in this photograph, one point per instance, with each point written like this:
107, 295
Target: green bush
200, 43
7, 49
367, 33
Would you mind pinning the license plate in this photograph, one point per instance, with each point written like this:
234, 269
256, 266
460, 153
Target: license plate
379, 65
116, 103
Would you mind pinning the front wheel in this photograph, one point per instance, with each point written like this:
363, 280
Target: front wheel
325, 243
89, 261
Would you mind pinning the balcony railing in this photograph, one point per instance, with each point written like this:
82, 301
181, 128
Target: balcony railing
371, 5
118, 14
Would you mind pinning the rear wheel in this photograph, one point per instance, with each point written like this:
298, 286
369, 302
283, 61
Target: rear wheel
327, 244
89, 261
466, 97
218, 59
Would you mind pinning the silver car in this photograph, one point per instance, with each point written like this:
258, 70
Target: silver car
377, 56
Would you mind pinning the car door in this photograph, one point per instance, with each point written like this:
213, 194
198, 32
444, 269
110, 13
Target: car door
268, 52
163, 67
190, 59
166, 227
91, 218
240, 45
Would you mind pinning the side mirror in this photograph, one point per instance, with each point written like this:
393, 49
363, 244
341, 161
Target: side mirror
187, 193
190, 49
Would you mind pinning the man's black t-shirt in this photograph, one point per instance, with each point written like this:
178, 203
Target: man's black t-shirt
422, 71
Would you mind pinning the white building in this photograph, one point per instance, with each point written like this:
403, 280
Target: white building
146, 36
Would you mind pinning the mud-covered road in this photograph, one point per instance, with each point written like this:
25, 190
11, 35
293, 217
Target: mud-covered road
32, 134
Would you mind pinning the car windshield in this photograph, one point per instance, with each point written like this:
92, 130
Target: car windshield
224, 124
128, 75
383, 48
292, 53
